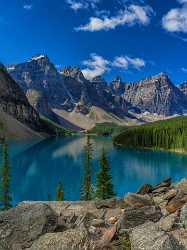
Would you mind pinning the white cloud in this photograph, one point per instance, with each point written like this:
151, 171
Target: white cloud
27, 6
97, 65
82, 4
125, 62
134, 14
182, 1
184, 70
136, 62
121, 62
176, 19
75, 5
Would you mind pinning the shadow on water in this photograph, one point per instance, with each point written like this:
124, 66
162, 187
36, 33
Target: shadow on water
36, 170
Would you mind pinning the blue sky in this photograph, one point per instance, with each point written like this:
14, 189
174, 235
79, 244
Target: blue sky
130, 38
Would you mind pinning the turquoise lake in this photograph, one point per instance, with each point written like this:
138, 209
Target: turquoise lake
36, 168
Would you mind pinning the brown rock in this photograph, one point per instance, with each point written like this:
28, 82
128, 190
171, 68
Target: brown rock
165, 183
145, 189
112, 213
107, 237
177, 202
112, 220
137, 200
161, 190
170, 195
97, 223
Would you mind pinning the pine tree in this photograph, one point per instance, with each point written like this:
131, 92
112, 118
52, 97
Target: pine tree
104, 186
59, 192
5, 199
87, 190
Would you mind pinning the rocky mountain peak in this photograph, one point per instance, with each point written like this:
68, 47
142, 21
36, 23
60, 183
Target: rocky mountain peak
98, 79
73, 72
163, 74
35, 73
156, 94
39, 57
40, 74
117, 79
35, 62
117, 85
99, 82
162, 77
183, 88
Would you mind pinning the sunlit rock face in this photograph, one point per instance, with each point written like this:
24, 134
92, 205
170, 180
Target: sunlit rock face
156, 94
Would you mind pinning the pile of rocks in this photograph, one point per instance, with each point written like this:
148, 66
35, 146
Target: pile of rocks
154, 218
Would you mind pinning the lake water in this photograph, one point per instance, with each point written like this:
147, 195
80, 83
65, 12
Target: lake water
37, 168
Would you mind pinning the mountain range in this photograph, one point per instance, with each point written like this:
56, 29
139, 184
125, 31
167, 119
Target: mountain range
68, 98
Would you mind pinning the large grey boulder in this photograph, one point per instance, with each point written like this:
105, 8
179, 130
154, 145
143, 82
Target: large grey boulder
133, 217
169, 222
149, 237
72, 239
19, 227
182, 185
183, 216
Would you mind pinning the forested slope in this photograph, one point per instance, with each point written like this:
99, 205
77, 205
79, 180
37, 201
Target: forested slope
107, 128
169, 134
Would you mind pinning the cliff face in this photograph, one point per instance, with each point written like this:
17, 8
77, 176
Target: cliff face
107, 99
39, 102
14, 102
156, 95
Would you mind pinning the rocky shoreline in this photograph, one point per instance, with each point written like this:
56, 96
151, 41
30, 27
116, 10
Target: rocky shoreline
154, 218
